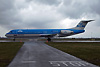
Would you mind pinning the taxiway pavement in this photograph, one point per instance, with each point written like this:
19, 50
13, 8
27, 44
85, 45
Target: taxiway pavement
52, 41
38, 54
74, 41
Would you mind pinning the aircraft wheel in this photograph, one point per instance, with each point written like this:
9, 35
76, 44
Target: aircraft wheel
14, 39
49, 39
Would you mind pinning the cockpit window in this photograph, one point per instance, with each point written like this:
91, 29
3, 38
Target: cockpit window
10, 31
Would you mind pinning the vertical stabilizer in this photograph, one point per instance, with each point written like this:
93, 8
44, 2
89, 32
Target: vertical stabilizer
82, 24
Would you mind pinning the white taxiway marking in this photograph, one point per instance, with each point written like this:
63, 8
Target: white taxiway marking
28, 61
65, 63
55, 64
69, 63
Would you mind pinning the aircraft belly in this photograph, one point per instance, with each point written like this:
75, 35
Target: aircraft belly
9, 35
22, 35
31, 35
28, 35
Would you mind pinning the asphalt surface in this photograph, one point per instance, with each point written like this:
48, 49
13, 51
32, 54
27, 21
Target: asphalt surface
38, 54
52, 41
74, 41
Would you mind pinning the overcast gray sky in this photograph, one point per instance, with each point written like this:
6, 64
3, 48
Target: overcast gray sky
20, 14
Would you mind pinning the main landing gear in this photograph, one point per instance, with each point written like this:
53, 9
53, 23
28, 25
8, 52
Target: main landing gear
14, 39
49, 39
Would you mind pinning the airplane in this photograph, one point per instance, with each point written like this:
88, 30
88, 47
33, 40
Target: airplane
49, 33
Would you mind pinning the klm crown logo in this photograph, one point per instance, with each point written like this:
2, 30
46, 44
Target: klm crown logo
81, 25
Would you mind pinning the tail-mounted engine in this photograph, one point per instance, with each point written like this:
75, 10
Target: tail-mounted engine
64, 33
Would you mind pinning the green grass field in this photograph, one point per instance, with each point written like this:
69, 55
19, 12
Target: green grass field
8, 51
89, 52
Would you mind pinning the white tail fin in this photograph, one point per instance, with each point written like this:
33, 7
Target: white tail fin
82, 24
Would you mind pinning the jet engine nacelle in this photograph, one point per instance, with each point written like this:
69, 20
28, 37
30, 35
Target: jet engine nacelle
66, 32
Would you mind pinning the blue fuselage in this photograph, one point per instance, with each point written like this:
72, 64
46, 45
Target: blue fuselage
40, 32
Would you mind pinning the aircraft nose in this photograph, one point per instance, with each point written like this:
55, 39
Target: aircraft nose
6, 34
